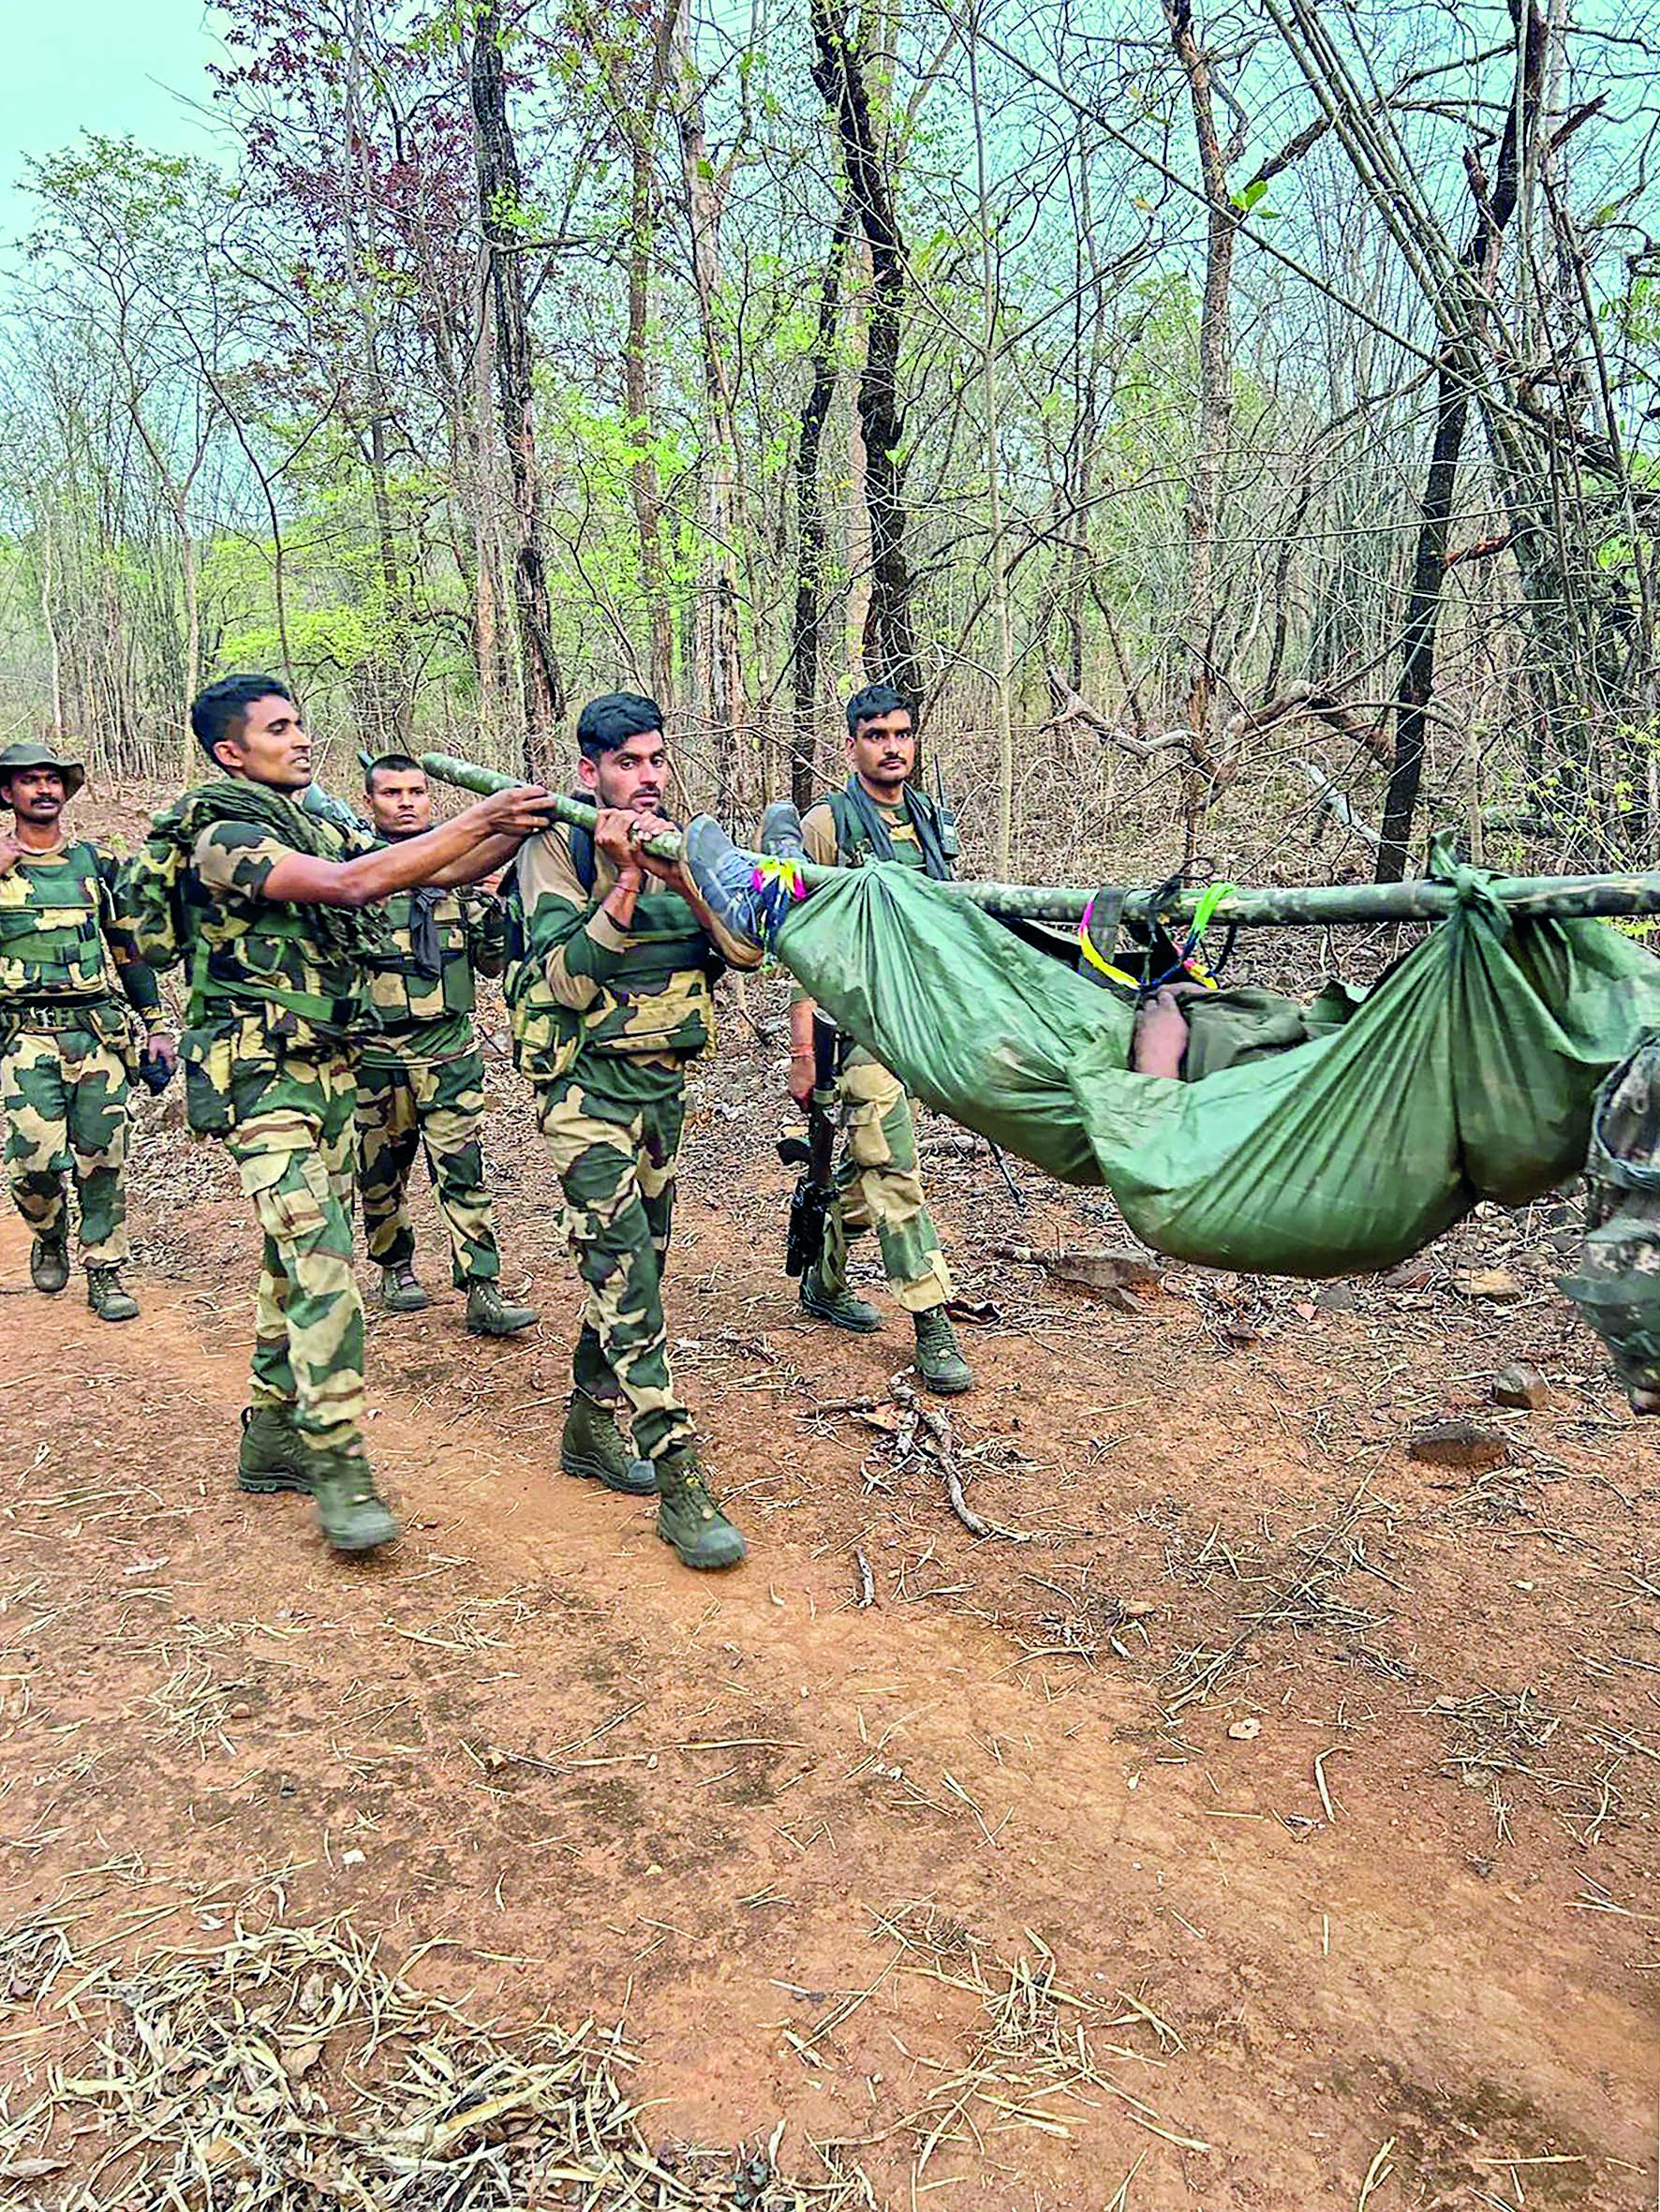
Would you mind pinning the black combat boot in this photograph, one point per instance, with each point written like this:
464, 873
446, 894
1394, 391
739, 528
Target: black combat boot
48, 1262
592, 1446
940, 1363
488, 1313
688, 1516
273, 1455
107, 1298
400, 1289
349, 1511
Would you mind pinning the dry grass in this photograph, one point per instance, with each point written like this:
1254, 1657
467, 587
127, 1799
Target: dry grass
291, 2068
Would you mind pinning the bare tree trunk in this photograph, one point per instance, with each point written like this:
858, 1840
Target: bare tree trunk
719, 652
840, 73
49, 622
810, 535
500, 192
1216, 373
994, 475
636, 113
1457, 375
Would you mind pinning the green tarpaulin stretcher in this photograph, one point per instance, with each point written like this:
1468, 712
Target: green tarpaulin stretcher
1467, 1074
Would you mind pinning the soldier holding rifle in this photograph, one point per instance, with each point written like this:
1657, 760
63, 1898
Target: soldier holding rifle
879, 814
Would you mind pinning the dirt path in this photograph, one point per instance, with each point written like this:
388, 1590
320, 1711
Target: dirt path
847, 1866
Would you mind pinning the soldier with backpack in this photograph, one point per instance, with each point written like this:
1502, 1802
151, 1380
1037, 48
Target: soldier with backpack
421, 1077
878, 814
610, 988
267, 906
66, 1059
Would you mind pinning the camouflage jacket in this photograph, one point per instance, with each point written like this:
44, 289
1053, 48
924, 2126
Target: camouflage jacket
578, 984
436, 943
58, 930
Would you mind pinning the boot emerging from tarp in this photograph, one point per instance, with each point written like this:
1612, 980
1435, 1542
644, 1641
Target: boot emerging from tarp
749, 902
488, 1313
827, 1298
592, 1446
688, 1516
48, 1262
273, 1454
349, 1511
402, 1290
780, 831
107, 1298
939, 1360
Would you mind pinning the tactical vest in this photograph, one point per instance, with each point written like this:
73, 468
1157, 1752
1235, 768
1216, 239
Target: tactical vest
661, 1001
52, 930
862, 835
260, 959
403, 993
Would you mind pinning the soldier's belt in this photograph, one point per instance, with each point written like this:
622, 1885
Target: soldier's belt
58, 1013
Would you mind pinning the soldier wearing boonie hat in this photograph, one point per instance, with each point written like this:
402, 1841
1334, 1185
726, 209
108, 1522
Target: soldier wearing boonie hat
67, 1049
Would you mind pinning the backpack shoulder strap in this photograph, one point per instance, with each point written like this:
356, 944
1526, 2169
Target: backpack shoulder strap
925, 820
584, 858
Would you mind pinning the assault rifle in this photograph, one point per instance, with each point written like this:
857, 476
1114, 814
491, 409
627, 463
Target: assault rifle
803, 1245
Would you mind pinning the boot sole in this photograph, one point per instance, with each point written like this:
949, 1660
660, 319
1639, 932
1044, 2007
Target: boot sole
361, 1543
260, 1486
703, 1566
103, 1316
870, 1328
945, 1390
591, 1471
49, 1289
489, 1329
419, 1306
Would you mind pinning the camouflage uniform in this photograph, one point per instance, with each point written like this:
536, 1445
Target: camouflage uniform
276, 1004
421, 1077
66, 1045
878, 1183
605, 1024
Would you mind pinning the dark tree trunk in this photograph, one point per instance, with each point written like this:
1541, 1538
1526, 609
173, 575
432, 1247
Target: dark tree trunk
839, 71
811, 536
500, 192
1455, 379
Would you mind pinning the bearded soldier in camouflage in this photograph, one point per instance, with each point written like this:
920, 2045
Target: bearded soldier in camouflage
610, 991
271, 903
878, 815
66, 1045
421, 1077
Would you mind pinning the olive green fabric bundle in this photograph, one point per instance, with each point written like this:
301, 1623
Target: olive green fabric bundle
1468, 1072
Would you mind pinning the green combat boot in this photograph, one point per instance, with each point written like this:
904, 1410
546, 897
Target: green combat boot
48, 1262
826, 1299
488, 1313
107, 1298
348, 1510
400, 1290
593, 1445
687, 1516
938, 1362
273, 1454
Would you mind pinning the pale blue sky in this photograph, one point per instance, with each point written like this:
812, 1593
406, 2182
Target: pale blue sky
106, 65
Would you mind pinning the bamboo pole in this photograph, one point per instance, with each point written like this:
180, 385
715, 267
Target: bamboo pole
1295, 905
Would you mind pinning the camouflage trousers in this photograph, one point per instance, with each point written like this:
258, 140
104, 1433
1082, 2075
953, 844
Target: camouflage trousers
292, 1144
878, 1186
65, 1092
439, 1107
615, 1157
